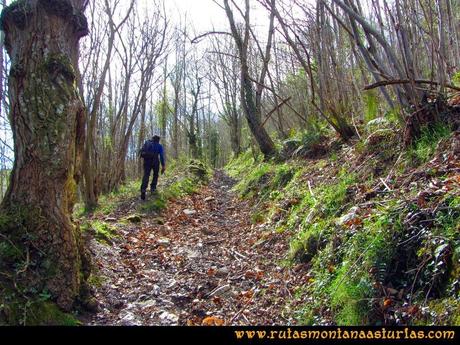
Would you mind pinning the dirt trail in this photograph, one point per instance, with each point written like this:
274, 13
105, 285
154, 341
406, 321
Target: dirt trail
201, 263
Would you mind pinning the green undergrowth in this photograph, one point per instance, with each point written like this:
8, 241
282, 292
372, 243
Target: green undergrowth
375, 256
103, 232
37, 312
423, 149
24, 298
180, 187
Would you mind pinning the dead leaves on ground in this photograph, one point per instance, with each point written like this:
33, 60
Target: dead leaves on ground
202, 267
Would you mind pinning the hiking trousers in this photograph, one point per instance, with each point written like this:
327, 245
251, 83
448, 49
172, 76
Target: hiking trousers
148, 167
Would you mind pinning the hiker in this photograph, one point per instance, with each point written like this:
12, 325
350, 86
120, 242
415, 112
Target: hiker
153, 155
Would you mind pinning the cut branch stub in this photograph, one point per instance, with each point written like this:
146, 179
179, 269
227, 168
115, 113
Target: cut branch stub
80, 24
16, 14
61, 8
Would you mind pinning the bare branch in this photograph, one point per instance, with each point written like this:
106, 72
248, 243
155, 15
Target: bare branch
197, 39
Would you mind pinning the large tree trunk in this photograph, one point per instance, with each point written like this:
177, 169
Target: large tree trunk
47, 118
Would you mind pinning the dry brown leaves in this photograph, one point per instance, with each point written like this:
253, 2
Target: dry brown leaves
207, 266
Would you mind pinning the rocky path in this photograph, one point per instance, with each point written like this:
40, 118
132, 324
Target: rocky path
201, 262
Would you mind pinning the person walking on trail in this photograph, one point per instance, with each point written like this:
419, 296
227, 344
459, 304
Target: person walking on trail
153, 154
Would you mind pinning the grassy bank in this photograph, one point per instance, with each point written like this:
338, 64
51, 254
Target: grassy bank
376, 225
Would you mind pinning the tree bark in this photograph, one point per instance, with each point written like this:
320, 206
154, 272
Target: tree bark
250, 98
3, 2
47, 118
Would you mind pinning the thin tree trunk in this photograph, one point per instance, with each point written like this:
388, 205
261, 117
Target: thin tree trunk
250, 100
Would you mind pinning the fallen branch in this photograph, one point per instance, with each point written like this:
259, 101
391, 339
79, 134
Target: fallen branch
244, 307
218, 291
239, 254
386, 186
214, 241
407, 81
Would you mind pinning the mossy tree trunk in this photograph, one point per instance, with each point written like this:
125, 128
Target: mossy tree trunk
47, 118
251, 99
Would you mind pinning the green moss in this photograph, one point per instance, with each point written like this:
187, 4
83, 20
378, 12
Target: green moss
15, 237
155, 204
312, 238
352, 253
256, 182
283, 175
198, 170
96, 280
342, 261
10, 252
371, 102
440, 312
180, 188
333, 197
56, 64
134, 218
103, 232
240, 164
35, 313
47, 313
109, 203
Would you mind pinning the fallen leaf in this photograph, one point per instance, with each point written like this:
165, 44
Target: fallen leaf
212, 321
387, 303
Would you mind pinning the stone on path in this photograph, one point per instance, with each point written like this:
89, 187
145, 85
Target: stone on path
164, 241
130, 320
169, 317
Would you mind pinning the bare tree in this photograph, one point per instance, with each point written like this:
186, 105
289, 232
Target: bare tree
91, 183
250, 98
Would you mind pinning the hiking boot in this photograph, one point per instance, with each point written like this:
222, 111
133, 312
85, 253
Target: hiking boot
142, 195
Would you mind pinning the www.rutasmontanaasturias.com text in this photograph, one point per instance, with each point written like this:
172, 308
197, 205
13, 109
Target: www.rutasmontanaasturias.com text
338, 333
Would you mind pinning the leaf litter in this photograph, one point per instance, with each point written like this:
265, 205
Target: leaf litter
200, 262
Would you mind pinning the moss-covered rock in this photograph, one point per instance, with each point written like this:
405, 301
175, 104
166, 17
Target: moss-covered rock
199, 170
134, 218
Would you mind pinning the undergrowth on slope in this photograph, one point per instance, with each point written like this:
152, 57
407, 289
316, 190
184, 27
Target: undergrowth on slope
423, 149
377, 226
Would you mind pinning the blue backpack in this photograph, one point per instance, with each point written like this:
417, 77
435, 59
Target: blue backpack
149, 150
